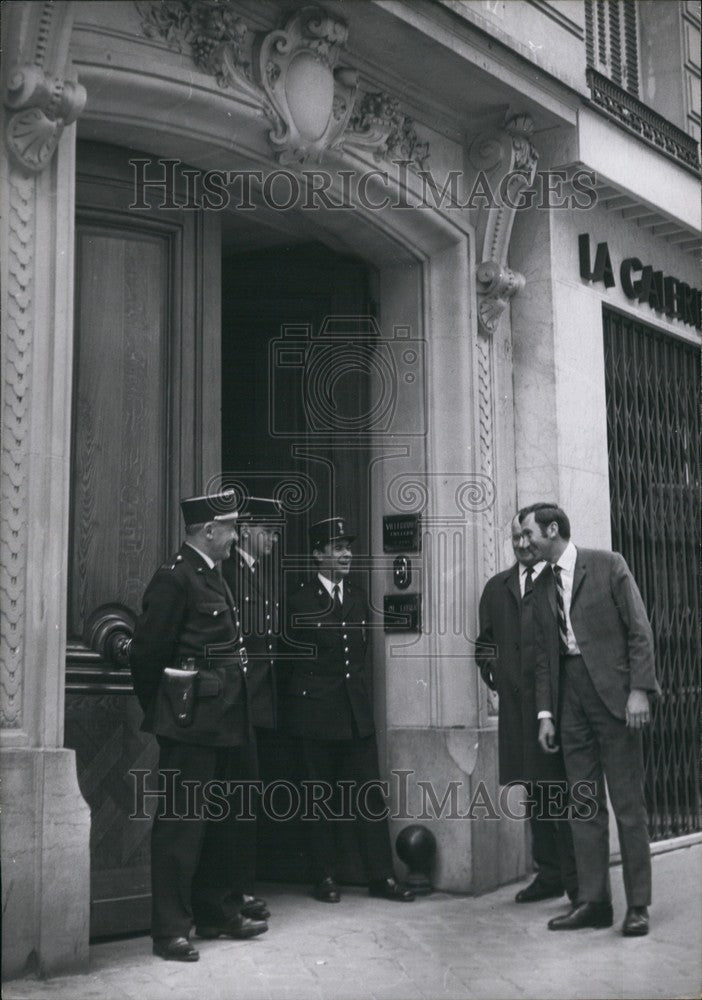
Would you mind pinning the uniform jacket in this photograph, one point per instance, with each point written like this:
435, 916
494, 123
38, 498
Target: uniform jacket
328, 693
259, 617
188, 612
506, 646
611, 628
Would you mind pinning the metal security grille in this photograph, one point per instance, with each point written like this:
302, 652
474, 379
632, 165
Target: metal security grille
653, 392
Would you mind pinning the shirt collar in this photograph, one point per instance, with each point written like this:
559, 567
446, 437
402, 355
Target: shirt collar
247, 557
202, 555
329, 586
567, 558
535, 569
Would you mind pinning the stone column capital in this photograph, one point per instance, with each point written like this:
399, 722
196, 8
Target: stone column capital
37, 94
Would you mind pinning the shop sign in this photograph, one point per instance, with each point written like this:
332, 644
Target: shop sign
642, 283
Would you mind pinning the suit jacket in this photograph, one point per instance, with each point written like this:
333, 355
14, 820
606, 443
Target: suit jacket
188, 612
259, 617
328, 693
611, 628
506, 646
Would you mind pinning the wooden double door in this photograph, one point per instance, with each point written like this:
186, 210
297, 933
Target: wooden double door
175, 384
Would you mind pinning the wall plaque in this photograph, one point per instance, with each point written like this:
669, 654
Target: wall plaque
402, 612
401, 533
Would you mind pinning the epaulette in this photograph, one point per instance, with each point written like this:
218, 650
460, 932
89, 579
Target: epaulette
173, 562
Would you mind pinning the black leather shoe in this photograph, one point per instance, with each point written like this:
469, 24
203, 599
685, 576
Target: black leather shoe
255, 908
327, 891
537, 890
584, 915
636, 922
238, 928
176, 949
388, 888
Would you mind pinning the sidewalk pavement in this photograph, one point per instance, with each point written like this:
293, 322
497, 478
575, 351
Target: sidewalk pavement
440, 947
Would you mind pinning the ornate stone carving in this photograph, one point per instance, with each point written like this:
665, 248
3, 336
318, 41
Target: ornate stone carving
292, 75
41, 106
17, 370
496, 286
311, 99
218, 39
378, 124
508, 159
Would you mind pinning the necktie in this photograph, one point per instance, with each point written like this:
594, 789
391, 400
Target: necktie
560, 601
336, 599
528, 582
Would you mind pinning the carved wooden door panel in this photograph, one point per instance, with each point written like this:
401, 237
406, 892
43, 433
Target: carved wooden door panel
145, 433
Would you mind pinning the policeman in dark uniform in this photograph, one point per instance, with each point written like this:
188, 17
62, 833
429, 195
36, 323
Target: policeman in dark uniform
189, 667
328, 705
252, 577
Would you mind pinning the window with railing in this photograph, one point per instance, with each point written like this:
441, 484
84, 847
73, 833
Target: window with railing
643, 70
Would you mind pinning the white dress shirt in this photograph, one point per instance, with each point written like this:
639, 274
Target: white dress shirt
248, 558
329, 586
567, 564
535, 570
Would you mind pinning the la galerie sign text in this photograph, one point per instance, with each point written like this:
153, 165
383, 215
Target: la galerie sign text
640, 282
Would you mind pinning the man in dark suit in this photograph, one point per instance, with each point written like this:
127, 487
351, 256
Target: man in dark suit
506, 657
594, 674
328, 705
252, 578
189, 667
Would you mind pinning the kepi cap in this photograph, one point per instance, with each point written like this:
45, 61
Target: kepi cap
331, 529
220, 506
261, 510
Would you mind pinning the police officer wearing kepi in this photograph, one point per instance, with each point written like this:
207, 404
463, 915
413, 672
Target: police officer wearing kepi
328, 706
189, 667
251, 574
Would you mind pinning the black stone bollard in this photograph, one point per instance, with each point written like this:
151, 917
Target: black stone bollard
416, 847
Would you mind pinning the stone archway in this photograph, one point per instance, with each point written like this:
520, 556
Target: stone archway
428, 284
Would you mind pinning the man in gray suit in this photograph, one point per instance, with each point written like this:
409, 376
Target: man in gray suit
594, 674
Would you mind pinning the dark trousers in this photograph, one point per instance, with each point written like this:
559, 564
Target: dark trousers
195, 861
551, 837
597, 745
353, 762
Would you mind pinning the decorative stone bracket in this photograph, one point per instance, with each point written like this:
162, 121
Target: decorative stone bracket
508, 159
40, 107
292, 74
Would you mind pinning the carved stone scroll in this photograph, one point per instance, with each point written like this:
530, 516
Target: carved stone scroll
40, 107
508, 159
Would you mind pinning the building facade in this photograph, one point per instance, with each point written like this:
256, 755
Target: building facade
419, 262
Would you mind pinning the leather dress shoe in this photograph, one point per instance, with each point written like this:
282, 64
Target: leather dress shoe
584, 915
255, 908
537, 890
388, 888
177, 949
237, 927
327, 891
636, 922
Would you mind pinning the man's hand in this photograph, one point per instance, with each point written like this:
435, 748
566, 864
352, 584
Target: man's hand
547, 736
488, 677
638, 711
